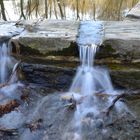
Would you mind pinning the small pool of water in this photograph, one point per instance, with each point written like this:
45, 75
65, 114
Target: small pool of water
69, 9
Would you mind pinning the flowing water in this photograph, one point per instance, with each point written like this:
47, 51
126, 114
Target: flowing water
8, 75
89, 83
5, 62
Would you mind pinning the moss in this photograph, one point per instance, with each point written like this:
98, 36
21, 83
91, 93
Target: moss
64, 48
109, 48
106, 51
123, 66
25, 50
136, 75
72, 50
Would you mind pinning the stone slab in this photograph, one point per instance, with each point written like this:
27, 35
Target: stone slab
49, 35
123, 39
134, 13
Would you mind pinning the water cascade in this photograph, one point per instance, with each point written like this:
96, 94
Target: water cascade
5, 62
8, 74
90, 81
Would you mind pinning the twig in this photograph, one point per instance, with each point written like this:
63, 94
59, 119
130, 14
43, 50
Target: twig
9, 131
126, 94
34, 125
114, 101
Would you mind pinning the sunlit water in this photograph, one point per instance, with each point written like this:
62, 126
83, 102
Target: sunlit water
71, 9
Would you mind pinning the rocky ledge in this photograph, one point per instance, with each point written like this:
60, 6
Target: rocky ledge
120, 52
54, 43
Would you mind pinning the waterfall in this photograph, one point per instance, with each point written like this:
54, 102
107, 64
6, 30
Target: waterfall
89, 78
7, 67
5, 62
89, 82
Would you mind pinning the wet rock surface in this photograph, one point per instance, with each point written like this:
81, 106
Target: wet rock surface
129, 79
58, 77
51, 77
48, 117
121, 46
54, 43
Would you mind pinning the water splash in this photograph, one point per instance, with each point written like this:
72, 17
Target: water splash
90, 79
88, 83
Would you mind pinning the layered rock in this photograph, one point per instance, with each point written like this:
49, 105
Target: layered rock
54, 43
43, 38
123, 39
121, 52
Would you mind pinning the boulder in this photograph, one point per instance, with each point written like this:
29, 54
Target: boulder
47, 37
134, 13
8, 30
122, 40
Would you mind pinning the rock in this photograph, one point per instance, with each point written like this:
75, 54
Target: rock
58, 78
48, 37
53, 42
48, 118
127, 78
52, 77
134, 13
134, 106
55, 119
122, 40
60, 124
8, 30
90, 115
99, 123
121, 46
53, 38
